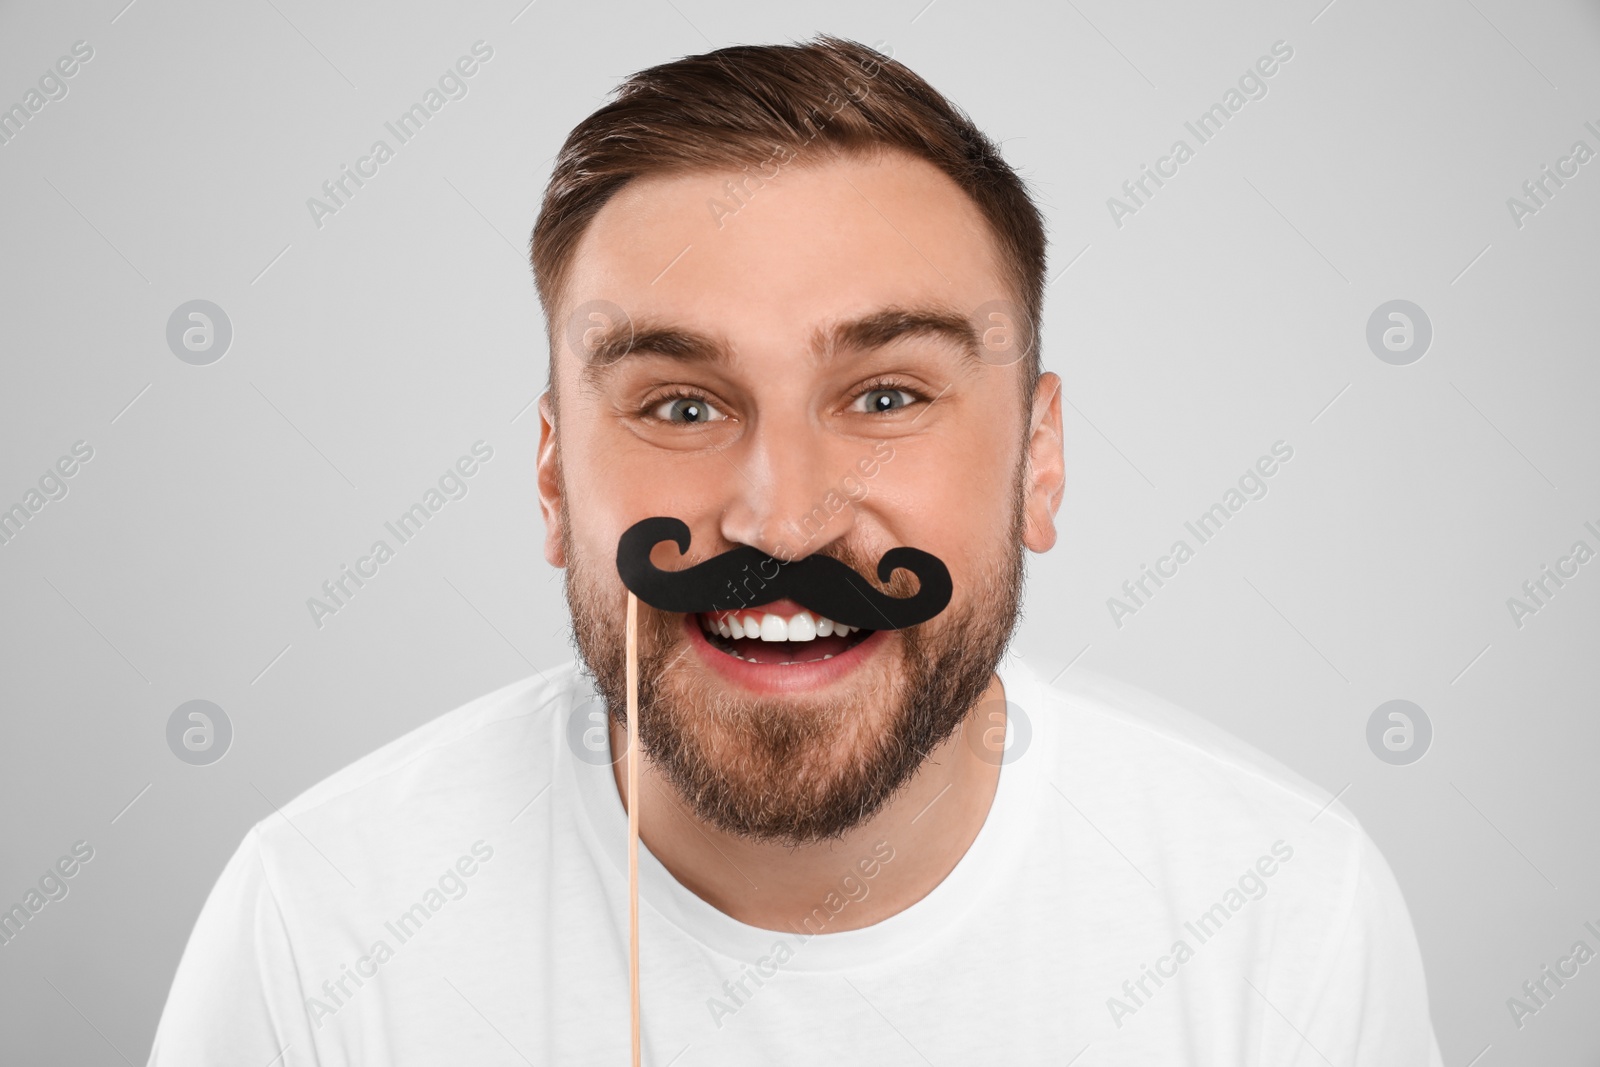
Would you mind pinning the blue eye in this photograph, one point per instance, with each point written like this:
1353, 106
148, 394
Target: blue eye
881, 400
687, 410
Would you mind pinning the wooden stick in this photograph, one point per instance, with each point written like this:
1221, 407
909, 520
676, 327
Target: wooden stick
633, 818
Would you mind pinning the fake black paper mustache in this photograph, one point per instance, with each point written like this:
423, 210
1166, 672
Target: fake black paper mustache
743, 577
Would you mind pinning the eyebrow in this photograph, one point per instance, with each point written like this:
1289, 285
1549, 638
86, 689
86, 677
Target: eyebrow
892, 324
867, 333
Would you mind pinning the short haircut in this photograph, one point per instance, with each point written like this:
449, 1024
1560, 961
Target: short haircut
736, 107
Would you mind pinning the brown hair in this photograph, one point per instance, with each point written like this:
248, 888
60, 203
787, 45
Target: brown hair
736, 106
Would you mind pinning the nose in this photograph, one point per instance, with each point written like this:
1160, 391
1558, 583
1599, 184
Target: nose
787, 499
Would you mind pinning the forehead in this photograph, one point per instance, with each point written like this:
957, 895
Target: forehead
770, 251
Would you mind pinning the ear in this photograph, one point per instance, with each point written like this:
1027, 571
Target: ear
1046, 475
551, 503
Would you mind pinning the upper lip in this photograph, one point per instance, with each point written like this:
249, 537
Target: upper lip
785, 607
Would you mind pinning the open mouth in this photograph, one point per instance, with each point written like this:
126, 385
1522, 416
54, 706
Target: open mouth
757, 636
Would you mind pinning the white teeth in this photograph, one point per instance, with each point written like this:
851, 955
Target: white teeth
765, 626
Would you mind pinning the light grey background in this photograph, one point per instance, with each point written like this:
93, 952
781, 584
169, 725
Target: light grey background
1229, 313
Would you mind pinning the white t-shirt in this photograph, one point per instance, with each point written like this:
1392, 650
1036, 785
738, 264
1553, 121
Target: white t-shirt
1145, 890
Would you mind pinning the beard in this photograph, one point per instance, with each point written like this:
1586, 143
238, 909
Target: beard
798, 770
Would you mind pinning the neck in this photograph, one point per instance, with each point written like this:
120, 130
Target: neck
876, 870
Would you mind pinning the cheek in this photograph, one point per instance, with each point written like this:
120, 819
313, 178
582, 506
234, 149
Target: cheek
972, 464
949, 496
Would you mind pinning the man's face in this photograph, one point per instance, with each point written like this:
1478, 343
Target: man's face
813, 368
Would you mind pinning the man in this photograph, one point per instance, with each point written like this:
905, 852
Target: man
793, 299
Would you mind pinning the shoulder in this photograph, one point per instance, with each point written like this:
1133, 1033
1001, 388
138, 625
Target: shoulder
1225, 834
1168, 750
458, 745
1196, 802
315, 881
424, 799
